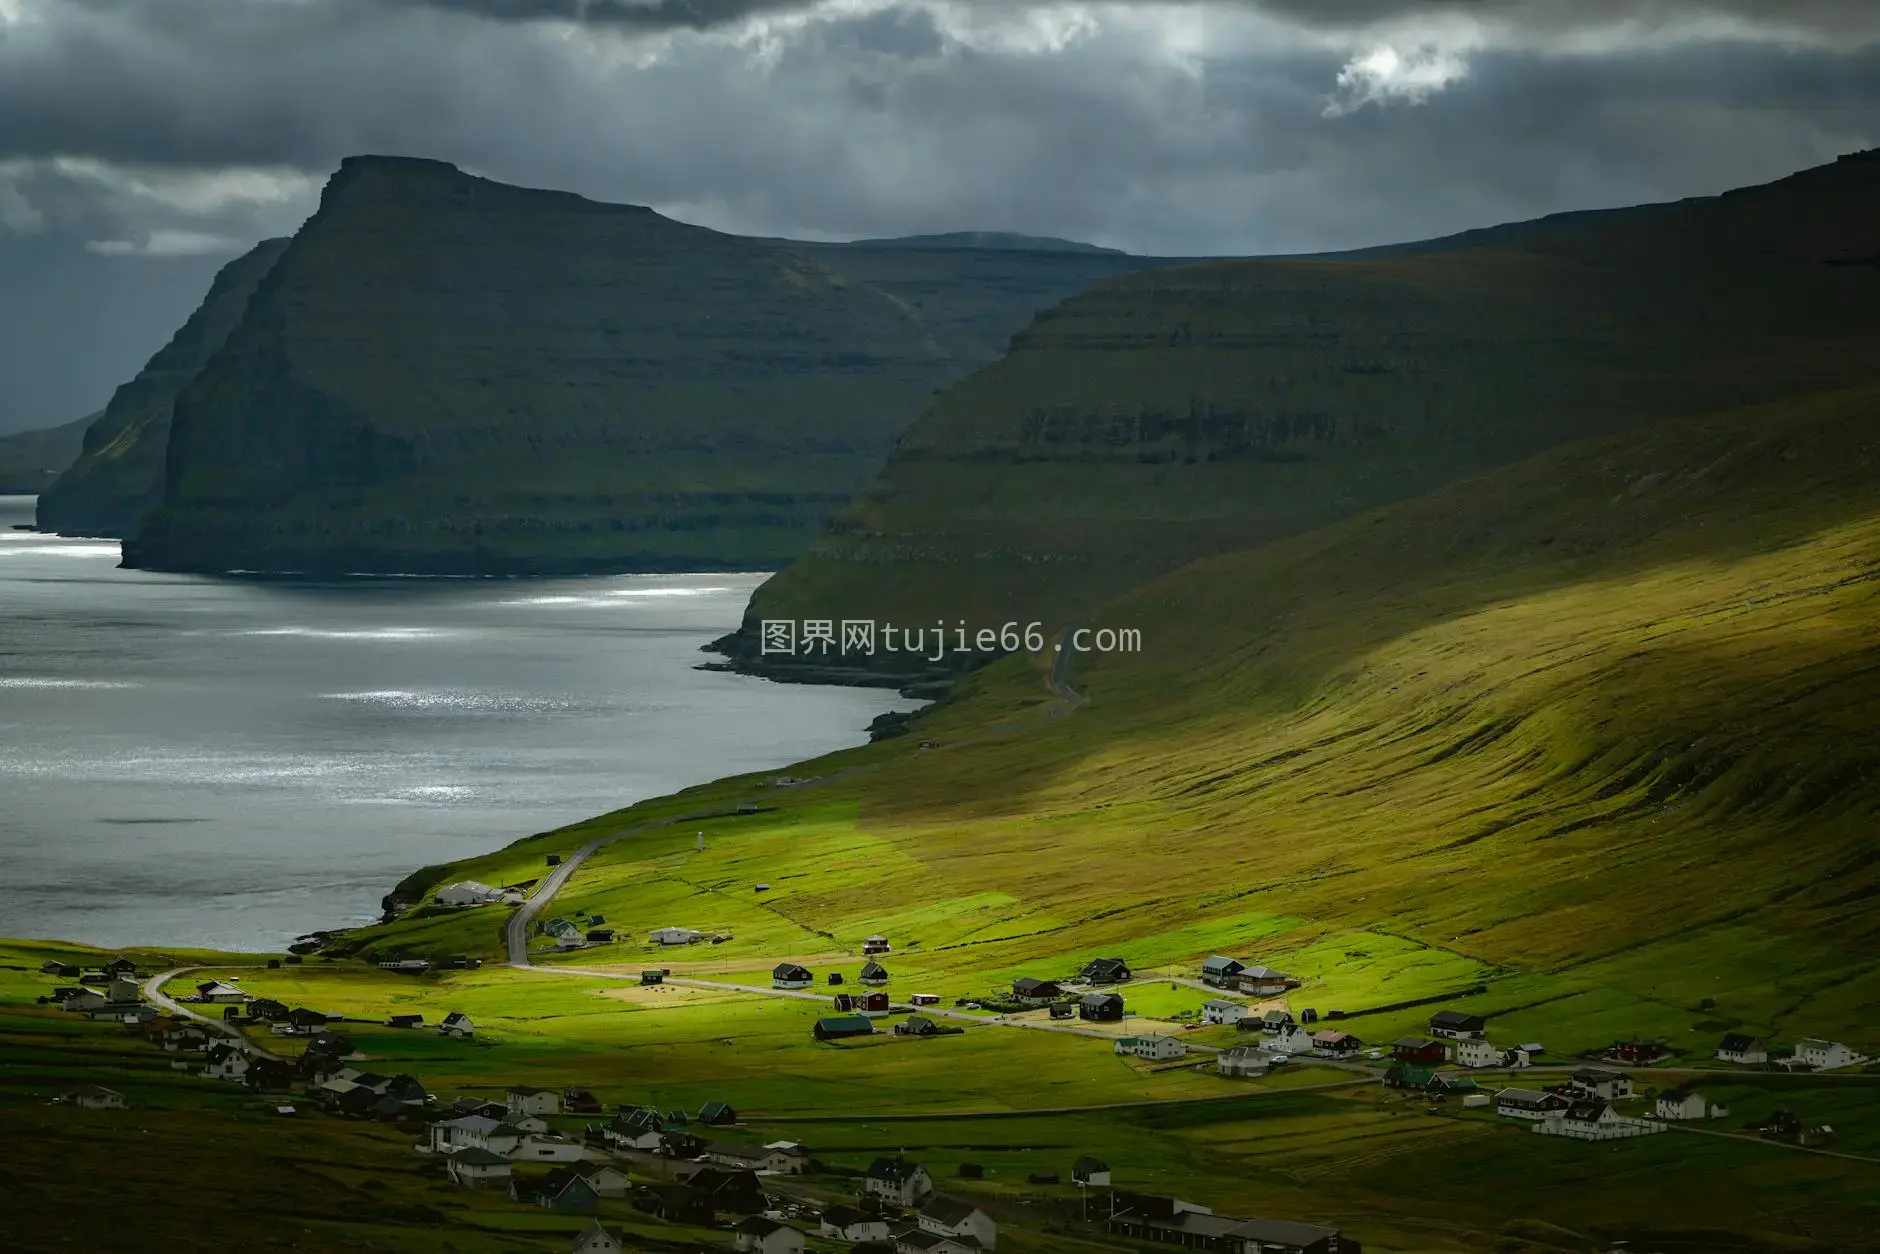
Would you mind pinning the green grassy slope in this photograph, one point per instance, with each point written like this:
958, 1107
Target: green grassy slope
1593, 733
31, 460
1170, 414
117, 477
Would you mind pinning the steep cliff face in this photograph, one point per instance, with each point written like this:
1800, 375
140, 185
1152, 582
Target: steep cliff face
444, 374
1167, 415
118, 475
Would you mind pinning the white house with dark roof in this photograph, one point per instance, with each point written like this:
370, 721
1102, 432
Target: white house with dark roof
791, 975
1244, 1061
1288, 1038
1825, 1055
93, 1097
873, 973
468, 893
756, 1234
219, 992
1740, 1048
526, 1099
225, 1062
1154, 1047
897, 1180
474, 1168
457, 1023
1528, 1104
846, 1223
1594, 1120
595, 1239
1602, 1083
1221, 1010
950, 1217
1682, 1105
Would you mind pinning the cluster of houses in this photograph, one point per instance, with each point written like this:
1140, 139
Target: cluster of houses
578, 933
1809, 1054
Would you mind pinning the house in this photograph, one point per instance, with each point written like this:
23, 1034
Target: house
1266, 982
1091, 1172
873, 973
216, 992
1222, 972
726, 1190
561, 1189
920, 1241
875, 1005
600, 936
841, 1027
1528, 1104
682, 1145
1101, 1007
755, 1234
269, 1075
1105, 971
790, 975
1419, 1050
924, 999
1825, 1055
474, 1132
183, 1036
405, 966
1404, 1075
719, 1113
123, 991
1218, 1011
674, 936
302, 1018
63, 970
1594, 1120
1476, 1051
119, 966
1454, 1086
580, 1102
1636, 1051
1739, 1048
1335, 1044
81, 999
1035, 992
93, 1097
1681, 1105
1154, 1048
1599, 1082
405, 1021
526, 1099
1274, 1020
1062, 1010
1290, 1038
1244, 1060
457, 1023
876, 945
917, 1025
845, 1223
792, 1157
476, 1168
1454, 1025
950, 1217
897, 1180
467, 893
594, 1239
329, 1044
1171, 1222
225, 1062
640, 1129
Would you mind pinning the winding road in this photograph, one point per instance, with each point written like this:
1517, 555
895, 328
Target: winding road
154, 994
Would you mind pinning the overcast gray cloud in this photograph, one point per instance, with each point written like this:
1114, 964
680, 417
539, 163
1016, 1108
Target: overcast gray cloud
167, 134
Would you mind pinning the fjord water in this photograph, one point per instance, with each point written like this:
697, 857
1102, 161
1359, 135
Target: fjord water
198, 761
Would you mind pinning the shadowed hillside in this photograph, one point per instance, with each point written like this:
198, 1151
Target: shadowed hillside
31, 460
1169, 414
444, 374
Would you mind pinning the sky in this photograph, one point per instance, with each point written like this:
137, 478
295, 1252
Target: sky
143, 143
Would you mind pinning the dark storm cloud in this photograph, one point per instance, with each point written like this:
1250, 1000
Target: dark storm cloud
164, 133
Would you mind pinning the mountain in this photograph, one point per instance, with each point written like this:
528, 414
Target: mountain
1005, 241
441, 374
118, 475
1165, 415
31, 460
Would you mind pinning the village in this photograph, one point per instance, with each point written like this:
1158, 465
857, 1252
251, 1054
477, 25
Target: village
563, 1150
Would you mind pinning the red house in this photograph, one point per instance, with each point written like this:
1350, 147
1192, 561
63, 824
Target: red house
1636, 1052
1417, 1049
871, 1004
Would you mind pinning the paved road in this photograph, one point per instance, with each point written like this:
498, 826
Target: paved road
1059, 685
154, 994
1745, 1136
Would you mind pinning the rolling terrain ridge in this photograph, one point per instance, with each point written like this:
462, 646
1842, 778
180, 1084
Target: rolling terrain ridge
1165, 415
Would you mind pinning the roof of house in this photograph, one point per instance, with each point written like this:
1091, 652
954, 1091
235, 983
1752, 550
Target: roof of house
789, 971
1590, 1111
1219, 1004
593, 1230
1282, 1232
1221, 962
1412, 1042
1086, 1164
1026, 983
1597, 1075
947, 1210
923, 1240
1525, 1097
1105, 964
1453, 1018
735, 1149
1813, 1042
527, 1090
476, 1156
758, 1226
1264, 973
872, 969
92, 1090
847, 1217
1737, 1042
892, 1169
711, 1109
845, 1023
1244, 1053
1098, 999
1329, 1037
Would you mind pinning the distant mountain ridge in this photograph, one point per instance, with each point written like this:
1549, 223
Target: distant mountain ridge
443, 374
31, 460
1005, 241
1166, 415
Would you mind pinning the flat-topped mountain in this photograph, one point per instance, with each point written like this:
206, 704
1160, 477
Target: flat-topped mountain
444, 374
1166, 415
